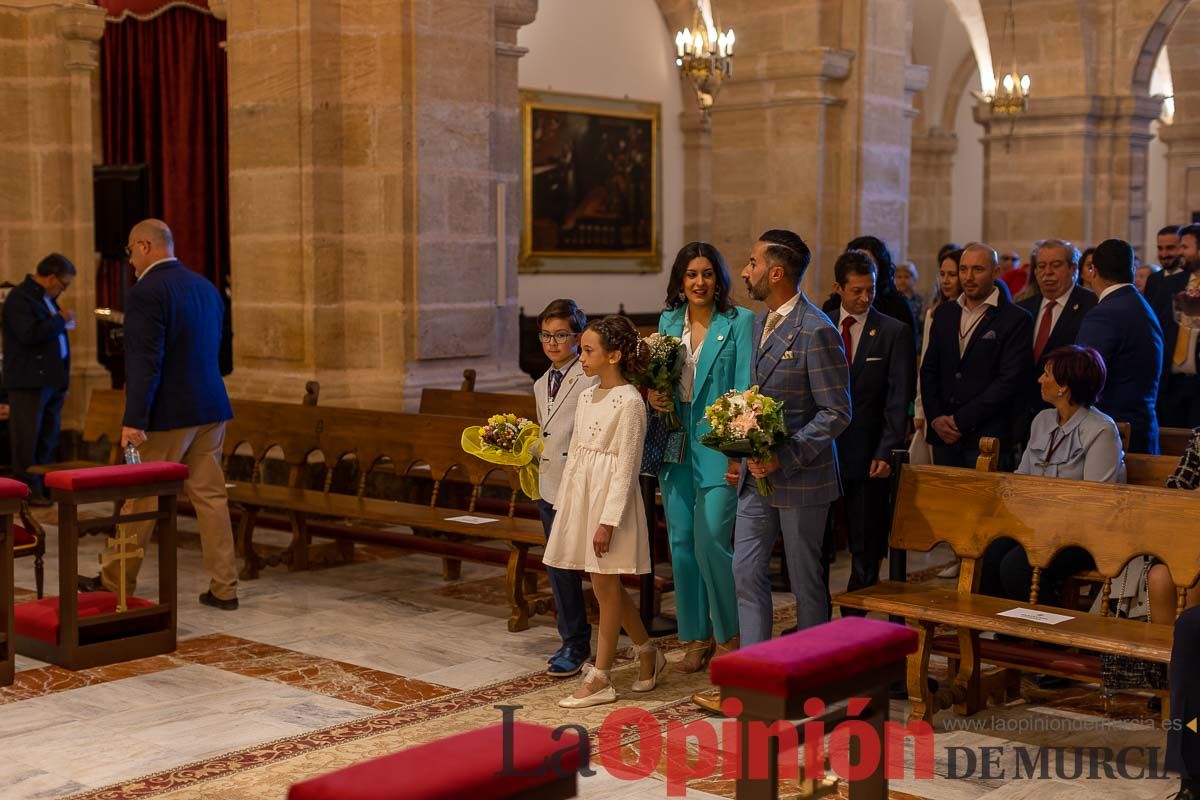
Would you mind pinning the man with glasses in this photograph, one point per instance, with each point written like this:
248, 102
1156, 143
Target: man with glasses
37, 367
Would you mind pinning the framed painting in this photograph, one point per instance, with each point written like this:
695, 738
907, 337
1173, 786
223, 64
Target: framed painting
592, 184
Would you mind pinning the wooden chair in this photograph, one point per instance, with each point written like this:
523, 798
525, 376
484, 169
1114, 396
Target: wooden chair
12, 498
91, 629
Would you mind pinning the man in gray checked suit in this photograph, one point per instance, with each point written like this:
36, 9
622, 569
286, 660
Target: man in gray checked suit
800, 361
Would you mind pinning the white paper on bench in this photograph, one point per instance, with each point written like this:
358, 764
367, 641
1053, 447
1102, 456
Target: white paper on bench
1035, 616
469, 520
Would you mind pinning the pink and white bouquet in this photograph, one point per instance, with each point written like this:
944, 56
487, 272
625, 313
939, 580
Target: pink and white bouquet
745, 425
1187, 308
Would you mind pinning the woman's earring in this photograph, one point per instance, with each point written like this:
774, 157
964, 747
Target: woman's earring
681, 296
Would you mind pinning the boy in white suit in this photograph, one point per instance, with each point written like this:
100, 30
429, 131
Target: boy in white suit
557, 394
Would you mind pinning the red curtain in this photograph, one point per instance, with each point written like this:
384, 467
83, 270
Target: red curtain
163, 103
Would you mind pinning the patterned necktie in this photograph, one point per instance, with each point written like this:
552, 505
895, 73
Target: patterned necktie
847, 341
1043, 333
1184, 337
555, 381
773, 320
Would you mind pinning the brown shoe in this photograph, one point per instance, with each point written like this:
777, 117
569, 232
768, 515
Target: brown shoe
695, 657
709, 700
728, 647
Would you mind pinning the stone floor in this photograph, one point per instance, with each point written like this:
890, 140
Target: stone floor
328, 667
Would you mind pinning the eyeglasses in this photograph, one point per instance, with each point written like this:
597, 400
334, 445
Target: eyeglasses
129, 250
561, 338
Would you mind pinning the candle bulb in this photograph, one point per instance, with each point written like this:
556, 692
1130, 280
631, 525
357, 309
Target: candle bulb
729, 42
679, 43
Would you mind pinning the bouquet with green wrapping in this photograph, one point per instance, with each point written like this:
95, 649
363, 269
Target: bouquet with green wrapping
662, 371
509, 440
746, 425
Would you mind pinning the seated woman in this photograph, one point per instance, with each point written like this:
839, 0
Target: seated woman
1071, 440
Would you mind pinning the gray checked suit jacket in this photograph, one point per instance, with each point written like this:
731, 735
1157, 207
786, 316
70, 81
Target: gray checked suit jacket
803, 365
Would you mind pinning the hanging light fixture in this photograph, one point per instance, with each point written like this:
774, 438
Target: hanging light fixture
1009, 96
704, 54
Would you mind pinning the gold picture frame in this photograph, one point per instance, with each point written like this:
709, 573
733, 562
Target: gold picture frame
591, 173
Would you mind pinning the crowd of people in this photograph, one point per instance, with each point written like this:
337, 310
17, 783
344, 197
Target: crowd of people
1047, 357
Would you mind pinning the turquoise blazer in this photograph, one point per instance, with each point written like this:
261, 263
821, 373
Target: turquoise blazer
724, 364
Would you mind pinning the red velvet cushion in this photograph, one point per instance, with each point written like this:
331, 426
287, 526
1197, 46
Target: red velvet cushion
38, 619
812, 658
22, 537
10, 489
116, 475
459, 766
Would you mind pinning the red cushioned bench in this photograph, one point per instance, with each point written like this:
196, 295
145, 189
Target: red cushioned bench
851, 657
469, 765
78, 631
12, 494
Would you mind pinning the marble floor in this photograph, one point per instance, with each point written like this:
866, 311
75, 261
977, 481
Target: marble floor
324, 668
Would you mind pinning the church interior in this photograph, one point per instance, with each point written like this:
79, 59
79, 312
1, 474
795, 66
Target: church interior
385, 195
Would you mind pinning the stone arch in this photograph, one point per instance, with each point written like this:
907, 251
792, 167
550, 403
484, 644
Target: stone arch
1153, 43
958, 84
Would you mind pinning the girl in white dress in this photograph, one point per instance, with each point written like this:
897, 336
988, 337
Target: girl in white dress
599, 523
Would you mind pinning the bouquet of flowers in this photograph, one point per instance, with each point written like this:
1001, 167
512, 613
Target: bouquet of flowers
510, 440
745, 424
662, 370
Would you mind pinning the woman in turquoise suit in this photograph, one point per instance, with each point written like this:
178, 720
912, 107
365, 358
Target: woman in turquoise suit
700, 505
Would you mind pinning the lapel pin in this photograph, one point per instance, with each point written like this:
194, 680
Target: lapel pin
872, 332
720, 338
1075, 307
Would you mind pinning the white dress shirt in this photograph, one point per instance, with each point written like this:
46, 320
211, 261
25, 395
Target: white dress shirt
968, 323
856, 330
687, 376
1112, 289
1059, 302
152, 266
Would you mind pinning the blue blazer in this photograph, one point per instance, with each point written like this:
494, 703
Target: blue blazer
173, 322
1126, 333
882, 378
32, 348
802, 364
984, 387
724, 364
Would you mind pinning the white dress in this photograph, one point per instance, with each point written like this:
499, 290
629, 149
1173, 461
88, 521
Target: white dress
600, 486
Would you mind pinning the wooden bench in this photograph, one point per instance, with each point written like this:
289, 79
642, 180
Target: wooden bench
1173, 441
968, 509
424, 447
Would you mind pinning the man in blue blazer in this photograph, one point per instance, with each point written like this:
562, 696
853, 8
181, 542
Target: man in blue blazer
1125, 332
1179, 386
176, 406
883, 363
977, 365
798, 360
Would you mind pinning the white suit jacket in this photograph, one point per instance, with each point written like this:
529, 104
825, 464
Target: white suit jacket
557, 420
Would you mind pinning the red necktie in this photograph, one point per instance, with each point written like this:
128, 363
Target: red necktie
848, 323
1043, 333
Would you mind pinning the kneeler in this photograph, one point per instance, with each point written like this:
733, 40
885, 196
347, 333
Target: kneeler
11, 494
91, 629
851, 657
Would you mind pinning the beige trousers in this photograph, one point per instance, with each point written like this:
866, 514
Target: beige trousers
200, 449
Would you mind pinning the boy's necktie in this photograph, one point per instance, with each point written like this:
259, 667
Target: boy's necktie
555, 381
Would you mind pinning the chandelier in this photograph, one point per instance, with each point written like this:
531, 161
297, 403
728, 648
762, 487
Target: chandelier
704, 54
1010, 95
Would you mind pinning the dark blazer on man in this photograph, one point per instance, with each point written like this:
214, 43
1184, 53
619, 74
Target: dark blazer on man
1075, 304
1125, 332
173, 324
981, 388
1178, 402
882, 378
1163, 305
32, 347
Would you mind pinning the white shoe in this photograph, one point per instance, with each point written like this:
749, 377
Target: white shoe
950, 571
597, 698
660, 663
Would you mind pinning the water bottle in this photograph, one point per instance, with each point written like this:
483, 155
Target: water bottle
132, 456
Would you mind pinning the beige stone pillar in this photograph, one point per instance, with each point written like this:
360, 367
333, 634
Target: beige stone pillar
1183, 170
48, 55
1069, 167
366, 148
932, 193
813, 131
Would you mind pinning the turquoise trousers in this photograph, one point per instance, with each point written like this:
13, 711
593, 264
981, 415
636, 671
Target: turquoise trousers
700, 529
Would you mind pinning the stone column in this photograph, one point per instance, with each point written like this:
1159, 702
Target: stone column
813, 131
367, 142
1069, 167
931, 190
1183, 170
48, 56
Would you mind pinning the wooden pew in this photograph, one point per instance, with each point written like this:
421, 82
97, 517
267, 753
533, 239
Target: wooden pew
426, 446
1173, 441
968, 509
477, 405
